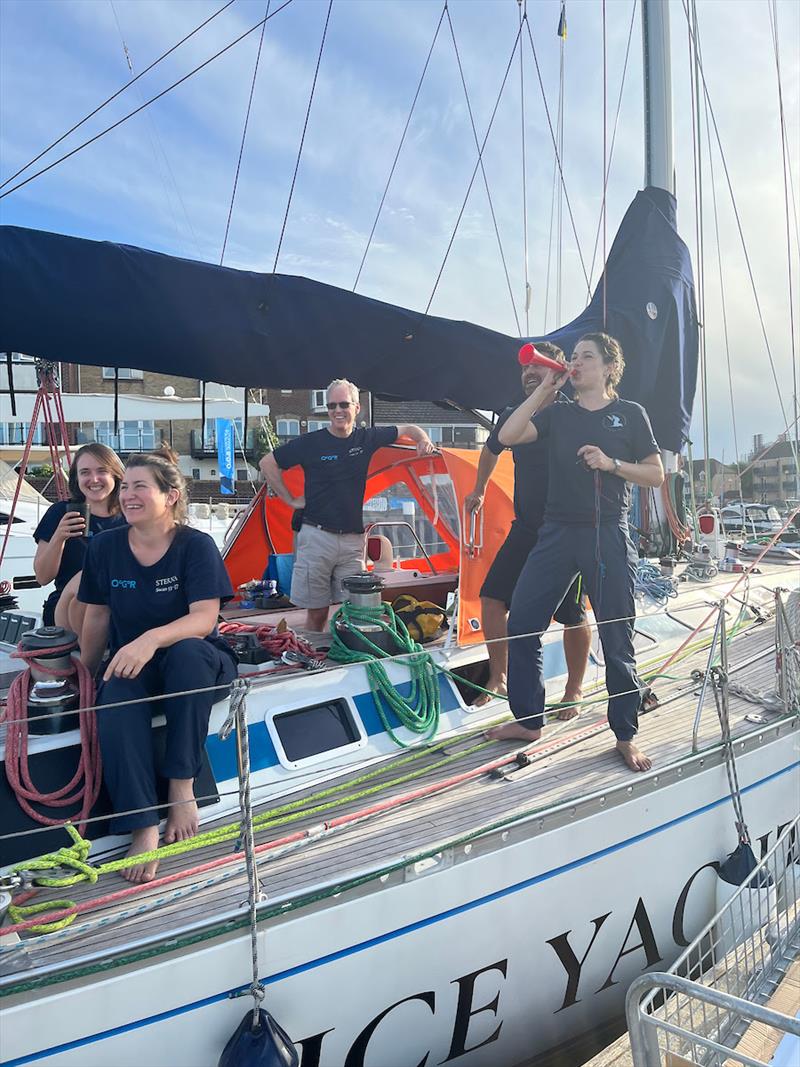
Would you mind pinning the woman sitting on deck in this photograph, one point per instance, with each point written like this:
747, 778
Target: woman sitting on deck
62, 537
152, 592
598, 444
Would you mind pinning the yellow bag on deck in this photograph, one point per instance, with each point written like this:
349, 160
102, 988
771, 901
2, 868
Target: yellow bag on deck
422, 618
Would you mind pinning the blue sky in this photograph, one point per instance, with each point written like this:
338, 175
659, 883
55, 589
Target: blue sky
163, 180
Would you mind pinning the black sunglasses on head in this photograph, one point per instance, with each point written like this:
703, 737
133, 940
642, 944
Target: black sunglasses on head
334, 404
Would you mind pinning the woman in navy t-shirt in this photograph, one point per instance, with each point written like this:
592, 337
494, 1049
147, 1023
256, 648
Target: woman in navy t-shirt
62, 537
596, 446
153, 592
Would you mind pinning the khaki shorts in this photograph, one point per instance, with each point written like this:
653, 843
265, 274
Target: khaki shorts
322, 560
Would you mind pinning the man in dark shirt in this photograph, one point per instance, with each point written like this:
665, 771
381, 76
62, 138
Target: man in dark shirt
335, 462
530, 493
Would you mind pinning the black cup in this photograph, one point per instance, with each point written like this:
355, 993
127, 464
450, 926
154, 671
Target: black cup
84, 509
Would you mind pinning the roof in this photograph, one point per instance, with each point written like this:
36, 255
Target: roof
419, 412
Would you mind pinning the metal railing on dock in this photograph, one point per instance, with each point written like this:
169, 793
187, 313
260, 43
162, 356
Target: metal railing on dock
733, 996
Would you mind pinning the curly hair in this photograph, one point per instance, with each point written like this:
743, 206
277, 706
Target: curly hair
109, 458
611, 352
164, 466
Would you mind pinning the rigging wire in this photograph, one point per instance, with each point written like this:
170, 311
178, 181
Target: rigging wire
745, 251
113, 96
694, 60
561, 33
400, 146
562, 103
486, 181
474, 173
302, 137
634, 6
159, 152
152, 100
244, 134
723, 303
555, 147
522, 11
774, 26
604, 206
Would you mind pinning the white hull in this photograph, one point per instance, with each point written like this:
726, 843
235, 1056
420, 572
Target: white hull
481, 954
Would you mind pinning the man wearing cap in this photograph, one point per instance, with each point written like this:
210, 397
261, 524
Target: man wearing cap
530, 492
335, 462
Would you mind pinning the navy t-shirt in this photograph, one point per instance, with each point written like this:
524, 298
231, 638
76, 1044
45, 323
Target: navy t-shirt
335, 470
141, 598
621, 429
530, 474
75, 547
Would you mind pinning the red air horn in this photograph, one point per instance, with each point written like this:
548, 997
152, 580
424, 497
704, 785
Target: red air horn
529, 354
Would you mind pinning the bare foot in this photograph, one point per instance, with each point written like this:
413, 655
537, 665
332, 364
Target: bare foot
183, 821
497, 686
145, 839
633, 756
571, 700
512, 731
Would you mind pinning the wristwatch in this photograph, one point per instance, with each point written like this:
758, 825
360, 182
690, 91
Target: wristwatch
617, 464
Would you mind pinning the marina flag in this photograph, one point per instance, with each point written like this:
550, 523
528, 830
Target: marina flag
562, 23
225, 455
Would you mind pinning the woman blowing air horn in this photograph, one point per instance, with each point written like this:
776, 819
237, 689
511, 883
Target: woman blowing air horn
597, 445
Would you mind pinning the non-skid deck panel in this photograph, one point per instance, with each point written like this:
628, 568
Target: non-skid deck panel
589, 766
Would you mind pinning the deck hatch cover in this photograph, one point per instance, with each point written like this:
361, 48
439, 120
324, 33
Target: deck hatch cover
309, 731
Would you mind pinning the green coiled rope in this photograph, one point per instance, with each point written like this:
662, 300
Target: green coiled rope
420, 711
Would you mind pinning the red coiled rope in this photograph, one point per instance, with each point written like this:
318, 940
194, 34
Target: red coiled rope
271, 638
84, 786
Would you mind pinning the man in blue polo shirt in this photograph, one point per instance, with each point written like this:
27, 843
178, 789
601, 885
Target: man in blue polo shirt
335, 462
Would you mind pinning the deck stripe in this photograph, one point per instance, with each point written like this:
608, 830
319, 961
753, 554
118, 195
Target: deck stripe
399, 932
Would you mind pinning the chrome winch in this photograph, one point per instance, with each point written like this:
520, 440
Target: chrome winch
52, 697
356, 630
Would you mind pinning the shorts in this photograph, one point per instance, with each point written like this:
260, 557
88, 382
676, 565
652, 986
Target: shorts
503, 574
322, 560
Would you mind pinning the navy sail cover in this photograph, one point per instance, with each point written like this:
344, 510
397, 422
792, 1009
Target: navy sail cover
79, 301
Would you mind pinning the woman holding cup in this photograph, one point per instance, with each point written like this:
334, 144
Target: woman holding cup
65, 528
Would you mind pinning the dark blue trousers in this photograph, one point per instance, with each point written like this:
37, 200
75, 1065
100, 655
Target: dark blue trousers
607, 560
126, 733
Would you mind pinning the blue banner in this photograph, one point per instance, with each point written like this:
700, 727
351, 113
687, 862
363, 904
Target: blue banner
225, 455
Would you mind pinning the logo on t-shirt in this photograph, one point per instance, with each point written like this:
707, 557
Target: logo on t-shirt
123, 583
167, 585
324, 458
614, 421
356, 450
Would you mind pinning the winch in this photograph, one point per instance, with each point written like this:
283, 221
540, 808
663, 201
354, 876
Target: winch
54, 693
364, 593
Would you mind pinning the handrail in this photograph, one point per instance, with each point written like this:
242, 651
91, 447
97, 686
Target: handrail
642, 1048
402, 522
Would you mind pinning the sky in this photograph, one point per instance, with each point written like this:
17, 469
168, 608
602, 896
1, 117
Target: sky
164, 179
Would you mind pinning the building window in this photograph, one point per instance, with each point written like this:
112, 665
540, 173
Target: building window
126, 374
287, 427
242, 475
20, 357
317, 424
286, 392
195, 474
16, 433
318, 400
135, 435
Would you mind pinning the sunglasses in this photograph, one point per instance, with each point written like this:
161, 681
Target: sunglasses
334, 404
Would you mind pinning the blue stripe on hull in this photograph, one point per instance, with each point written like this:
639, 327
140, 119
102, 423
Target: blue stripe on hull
400, 931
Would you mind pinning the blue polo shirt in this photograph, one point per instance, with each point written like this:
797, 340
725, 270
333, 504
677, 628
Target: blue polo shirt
335, 470
142, 598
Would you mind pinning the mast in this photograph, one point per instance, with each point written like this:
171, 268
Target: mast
659, 166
